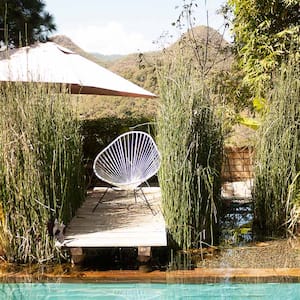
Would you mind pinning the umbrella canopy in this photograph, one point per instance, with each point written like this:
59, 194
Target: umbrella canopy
52, 63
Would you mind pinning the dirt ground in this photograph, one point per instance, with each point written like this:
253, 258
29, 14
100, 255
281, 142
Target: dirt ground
283, 253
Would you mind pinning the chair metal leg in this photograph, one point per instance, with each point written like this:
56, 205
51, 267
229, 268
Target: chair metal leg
144, 197
135, 195
101, 198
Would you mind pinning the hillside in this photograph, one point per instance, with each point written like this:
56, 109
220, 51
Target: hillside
213, 51
106, 58
68, 43
140, 69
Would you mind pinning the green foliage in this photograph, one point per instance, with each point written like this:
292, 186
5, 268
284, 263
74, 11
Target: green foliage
190, 141
293, 202
99, 107
260, 104
229, 84
266, 32
24, 22
276, 190
41, 174
249, 122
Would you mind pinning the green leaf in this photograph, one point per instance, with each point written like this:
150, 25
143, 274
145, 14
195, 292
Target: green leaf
249, 122
245, 230
259, 103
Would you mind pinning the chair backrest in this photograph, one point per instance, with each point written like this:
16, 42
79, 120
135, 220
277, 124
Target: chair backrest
128, 161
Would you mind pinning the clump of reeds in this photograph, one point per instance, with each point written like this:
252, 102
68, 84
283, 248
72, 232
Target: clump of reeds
277, 182
41, 176
190, 140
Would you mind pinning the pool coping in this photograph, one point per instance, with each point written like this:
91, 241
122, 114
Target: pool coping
198, 275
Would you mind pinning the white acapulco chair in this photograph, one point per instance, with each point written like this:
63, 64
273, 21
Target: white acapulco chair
127, 162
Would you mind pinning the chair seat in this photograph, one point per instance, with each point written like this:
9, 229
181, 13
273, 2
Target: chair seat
128, 161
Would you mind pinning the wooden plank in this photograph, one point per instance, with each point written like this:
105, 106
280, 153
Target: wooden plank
108, 240
118, 221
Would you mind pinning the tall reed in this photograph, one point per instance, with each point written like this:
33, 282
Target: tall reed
41, 175
277, 182
190, 139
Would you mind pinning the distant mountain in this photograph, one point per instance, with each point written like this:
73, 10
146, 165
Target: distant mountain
107, 58
218, 53
141, 69
68, 43
213, 51
204, 34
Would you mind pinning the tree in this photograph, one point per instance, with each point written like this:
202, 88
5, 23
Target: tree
265, 32
22, 22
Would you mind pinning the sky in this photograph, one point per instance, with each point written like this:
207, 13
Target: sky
126, 26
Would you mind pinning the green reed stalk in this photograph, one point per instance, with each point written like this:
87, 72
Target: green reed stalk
190, 140
277, 184
41, 175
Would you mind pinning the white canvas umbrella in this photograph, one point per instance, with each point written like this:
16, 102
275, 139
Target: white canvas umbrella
51, 63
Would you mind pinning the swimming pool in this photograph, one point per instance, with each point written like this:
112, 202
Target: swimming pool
145, 291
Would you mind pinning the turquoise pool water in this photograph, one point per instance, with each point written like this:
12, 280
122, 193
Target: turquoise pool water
145, 291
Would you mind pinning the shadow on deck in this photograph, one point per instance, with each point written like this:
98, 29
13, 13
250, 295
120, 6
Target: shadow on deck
118, 221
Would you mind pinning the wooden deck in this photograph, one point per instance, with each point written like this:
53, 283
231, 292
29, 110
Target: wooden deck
118, 221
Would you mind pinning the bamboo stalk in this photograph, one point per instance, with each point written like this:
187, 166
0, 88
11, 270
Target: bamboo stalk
277, 187
41, 176
190, 140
